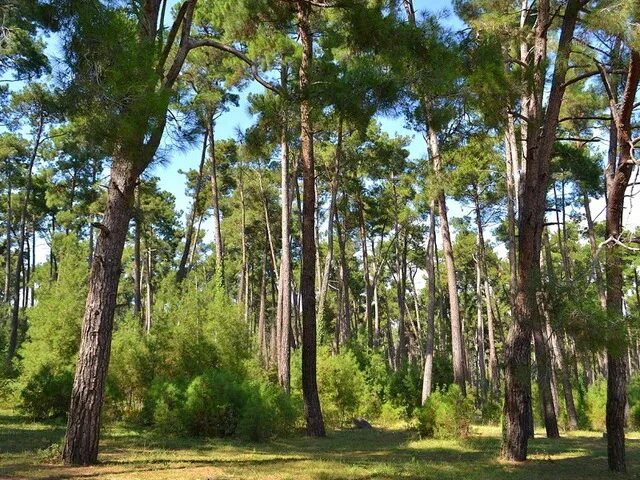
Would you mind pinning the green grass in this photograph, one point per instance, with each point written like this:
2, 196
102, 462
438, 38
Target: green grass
26, 452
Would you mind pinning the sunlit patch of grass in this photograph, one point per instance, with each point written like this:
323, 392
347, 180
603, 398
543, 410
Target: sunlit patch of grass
26, 451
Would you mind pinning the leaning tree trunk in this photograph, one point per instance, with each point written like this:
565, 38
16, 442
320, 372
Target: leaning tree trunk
83, 427
15, 307
457, 342
7, 253
188, 238
312, 410
215, 190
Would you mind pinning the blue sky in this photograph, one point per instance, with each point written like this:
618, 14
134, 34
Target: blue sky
238, 118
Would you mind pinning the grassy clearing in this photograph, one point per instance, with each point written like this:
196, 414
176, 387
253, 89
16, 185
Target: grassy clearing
126, 453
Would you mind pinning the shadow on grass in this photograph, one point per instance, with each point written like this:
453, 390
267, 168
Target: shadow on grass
346, 454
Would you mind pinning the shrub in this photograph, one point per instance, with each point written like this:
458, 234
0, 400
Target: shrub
405, 387
445, 414
491, 412
390, 414
268, 412
342, 387
47, 393
634, 416
596, 404
213, 405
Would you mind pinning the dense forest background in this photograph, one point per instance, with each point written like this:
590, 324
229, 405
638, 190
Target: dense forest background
481, 267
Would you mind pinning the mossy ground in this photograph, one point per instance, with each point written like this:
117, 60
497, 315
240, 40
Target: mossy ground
28, 450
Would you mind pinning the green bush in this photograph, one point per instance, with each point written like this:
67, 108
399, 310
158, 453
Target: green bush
634, 416
47, 393
390, 414
220, 404
214, 402
445, 414
268, 412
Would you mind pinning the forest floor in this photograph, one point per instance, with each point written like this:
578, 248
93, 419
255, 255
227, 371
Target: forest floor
29, 450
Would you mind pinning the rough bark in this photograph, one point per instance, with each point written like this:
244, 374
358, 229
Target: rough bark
83, 427
541, 131
618, 176
312, 410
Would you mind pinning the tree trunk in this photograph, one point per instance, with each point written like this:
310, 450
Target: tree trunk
137, 262
284, 291
83, 427
188, 238
7, 253
368, 314
324, 285
427, 377
15, 307
217, 231
541, 129
618, 176
262, 336
312, 411
344, 331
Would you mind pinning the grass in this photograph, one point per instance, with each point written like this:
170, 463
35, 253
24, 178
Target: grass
29, 450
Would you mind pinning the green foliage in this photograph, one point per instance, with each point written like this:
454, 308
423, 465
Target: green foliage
218, 404
49, 353
596, 404
445, 414
47, 393
342, 388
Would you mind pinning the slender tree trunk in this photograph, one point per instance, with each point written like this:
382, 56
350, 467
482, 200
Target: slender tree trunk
83, 427
188, 238
262, 340
284, 292
427, 378
217, 231
597, 267
137, 261
312, 410
148, 292
368, 314
344, 332
457, 344
324, 285
7, 253
15, 308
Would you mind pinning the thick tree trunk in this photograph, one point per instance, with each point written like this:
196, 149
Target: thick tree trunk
312, 411
188, 238
618, 176
83, 427
540, 139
